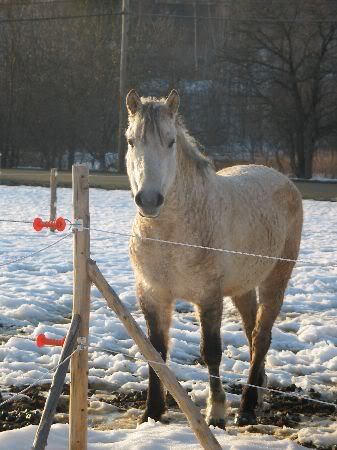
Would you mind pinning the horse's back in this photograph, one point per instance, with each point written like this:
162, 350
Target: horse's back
251, 174
262, 186
265, 201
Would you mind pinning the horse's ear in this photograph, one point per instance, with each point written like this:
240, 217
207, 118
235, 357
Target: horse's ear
133, 102
173, 101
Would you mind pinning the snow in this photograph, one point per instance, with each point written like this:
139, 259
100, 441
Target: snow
323, 436
148, 436
36, 297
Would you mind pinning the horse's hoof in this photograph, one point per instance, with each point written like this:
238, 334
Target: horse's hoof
220, 423
147, 415
245, 418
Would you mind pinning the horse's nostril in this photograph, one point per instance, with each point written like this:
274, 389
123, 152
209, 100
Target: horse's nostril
138, 199
160, 200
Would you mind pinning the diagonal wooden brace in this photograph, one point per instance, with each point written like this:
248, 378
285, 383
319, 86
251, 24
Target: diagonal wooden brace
41, 436
196, 420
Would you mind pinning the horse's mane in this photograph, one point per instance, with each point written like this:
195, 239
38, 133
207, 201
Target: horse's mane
191, 147
151, 115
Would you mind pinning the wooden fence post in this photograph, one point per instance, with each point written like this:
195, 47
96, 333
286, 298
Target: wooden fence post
78, 411
53, 196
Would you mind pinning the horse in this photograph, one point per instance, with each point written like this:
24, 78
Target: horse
180, 198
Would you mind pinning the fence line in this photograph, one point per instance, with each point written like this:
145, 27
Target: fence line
223, 379
161, 241
138, 358
181, 244
234, 252
15, 221
170, 15
22, 258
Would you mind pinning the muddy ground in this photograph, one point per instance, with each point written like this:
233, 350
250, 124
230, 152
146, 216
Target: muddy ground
282, 416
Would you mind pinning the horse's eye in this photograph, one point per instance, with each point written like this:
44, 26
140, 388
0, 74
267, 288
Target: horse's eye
130, 142
171, 144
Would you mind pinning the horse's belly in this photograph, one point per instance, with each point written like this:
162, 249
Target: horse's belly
197, 287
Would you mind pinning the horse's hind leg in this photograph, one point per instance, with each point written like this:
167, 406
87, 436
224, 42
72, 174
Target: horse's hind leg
246, 304
158, 313
247, 307
210, 315
271, 293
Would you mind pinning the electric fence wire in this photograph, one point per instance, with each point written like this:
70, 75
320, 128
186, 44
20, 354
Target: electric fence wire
38, 381
169, 15
22, 258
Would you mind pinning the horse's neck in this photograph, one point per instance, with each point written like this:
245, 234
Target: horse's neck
192, 183
189, 186
191, 191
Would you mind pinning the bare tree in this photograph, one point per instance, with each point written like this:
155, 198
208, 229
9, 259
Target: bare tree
57, 81
288, 55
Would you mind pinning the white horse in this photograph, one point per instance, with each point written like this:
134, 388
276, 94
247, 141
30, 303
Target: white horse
180, 198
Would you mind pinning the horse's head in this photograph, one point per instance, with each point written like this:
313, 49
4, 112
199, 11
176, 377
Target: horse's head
151, 156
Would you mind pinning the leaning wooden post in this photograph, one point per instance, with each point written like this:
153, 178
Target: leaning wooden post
49, 409
192, 413
78, 412
53, 197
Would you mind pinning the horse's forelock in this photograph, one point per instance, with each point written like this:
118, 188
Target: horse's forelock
151, 116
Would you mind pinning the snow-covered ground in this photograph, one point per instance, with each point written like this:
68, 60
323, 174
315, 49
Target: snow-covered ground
149, 436
36, 296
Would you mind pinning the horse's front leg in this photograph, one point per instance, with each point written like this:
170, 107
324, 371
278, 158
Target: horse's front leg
157, 310
210, 315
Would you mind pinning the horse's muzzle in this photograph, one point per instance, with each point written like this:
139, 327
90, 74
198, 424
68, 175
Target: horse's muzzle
149, 203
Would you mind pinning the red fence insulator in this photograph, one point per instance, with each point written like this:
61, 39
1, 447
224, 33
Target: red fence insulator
58, 224
42, 340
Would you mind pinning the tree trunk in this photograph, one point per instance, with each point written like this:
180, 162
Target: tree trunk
11, 159
17, 158
304, 149
4, 158
309, 154
279, 163
292, 156
299, 155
